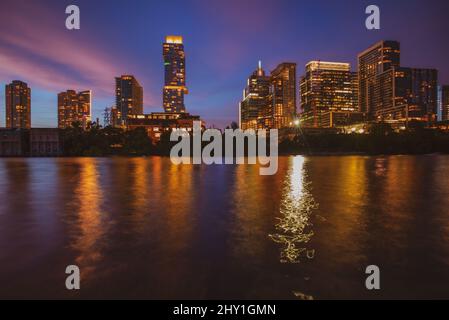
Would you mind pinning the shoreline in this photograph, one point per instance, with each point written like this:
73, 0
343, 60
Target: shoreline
309, 154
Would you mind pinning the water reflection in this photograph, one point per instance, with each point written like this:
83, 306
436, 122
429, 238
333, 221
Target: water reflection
143, 228
296, 208
87, 200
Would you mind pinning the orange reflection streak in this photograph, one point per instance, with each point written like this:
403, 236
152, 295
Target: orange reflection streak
156, 170
350, 172
140, 191
88, 197
178, 199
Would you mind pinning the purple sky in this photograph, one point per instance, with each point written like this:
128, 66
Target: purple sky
223, 42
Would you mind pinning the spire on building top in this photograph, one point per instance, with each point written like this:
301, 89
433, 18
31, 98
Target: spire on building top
259, 69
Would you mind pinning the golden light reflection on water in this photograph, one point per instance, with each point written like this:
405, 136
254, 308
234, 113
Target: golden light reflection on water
178, 200
148, 229
88, 197
140, 182
140, 192
296, 207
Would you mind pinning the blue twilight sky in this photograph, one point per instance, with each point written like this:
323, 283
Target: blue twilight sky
223, 39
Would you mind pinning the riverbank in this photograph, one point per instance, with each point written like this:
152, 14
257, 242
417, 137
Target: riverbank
105, 142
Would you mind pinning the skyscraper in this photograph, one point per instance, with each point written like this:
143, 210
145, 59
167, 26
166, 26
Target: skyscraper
421, 93
445, 103
128, 96
283, 90
373, 64
74, 107
18, 105
255, 108
328, 87
355, 90
175, 74
389, 92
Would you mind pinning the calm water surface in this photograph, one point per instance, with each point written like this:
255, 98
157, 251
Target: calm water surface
144, 228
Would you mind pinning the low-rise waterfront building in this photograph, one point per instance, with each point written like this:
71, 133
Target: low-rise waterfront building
45, 142
157, 123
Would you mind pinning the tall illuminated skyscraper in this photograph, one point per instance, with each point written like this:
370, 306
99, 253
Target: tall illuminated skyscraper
328, 87
283, 86
175, 74
74, 107
255, 109
376, 72
128, 96
18, 105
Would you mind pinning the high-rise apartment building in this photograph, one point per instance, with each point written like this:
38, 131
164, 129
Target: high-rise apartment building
255, 108
175, 74
128, 96
355, 90
18, 105
328, 87
389, 92
421, 93
283, 94
74, 107
373, 64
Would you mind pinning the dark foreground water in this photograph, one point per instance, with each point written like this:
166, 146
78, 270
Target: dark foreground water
144, 228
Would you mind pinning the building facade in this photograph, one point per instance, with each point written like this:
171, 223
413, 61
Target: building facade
175, 74
422, 94
74, 107
373, 63
445, 103
45, 142
391, 93
34, 142
13, 142
327, 88
283, 92
157, 123
255, 110
18, 105
128, 96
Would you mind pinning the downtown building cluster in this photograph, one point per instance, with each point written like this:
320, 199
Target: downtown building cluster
269, 101
128, 110
333, 96
75, 108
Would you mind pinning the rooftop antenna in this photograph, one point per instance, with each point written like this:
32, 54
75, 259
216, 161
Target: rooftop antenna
259, 69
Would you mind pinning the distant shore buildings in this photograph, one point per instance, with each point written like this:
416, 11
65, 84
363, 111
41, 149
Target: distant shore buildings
19, 139
333, 96
127, 113
329, 96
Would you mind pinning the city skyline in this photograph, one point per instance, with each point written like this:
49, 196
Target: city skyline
218, 64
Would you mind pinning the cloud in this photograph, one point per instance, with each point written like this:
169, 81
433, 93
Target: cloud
37, 48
